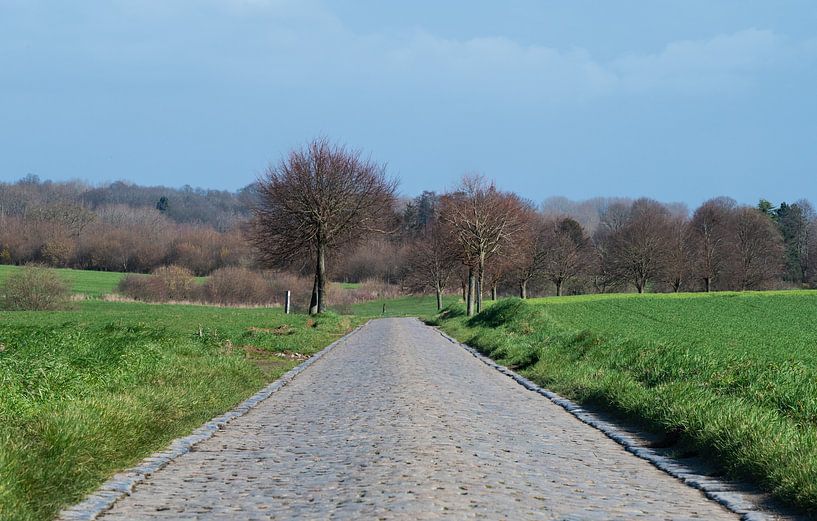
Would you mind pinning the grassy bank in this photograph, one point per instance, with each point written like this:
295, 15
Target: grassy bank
86, 392
734, 373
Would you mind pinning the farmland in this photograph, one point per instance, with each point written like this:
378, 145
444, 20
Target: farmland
404, 306
88, 283
734, 373
92, 390
91, 284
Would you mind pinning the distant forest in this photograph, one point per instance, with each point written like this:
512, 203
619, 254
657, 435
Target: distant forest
597, 245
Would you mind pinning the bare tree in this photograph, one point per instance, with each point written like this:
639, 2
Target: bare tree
567, 251
527, 252
806, 257
811, 253
497, 271
318, 198
678, 265
758, 247
635, 247
708, 238
483, 220
432, 263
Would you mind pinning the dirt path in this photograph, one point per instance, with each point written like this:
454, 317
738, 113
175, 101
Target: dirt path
398, 423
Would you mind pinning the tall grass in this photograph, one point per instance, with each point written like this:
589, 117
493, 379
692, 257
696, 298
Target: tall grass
734, 373
87, 392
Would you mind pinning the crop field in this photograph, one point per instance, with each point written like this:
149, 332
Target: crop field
734, 373
86, 392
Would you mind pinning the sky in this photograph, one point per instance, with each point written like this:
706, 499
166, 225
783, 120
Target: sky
675, 100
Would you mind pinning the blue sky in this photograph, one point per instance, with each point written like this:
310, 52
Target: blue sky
677, 100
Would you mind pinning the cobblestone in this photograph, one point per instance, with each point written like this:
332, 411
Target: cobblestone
399, 423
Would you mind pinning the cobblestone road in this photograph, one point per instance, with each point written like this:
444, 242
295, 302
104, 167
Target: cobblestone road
398, 423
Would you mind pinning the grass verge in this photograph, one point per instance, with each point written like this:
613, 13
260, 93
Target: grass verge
734, 374
87, 392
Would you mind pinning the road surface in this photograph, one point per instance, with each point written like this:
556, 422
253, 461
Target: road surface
398, 423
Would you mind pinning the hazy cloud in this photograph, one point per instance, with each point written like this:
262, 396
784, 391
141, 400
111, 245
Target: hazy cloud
288, 42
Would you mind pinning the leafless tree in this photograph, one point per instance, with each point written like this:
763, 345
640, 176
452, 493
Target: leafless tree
567, 251
527, 251
72, 218
678, 265
806, 257
432, 263
497, 271
758, 245
708, 233
483, 220
635, 244
318, 198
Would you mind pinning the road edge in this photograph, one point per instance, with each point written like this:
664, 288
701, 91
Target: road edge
123, 483
719, 491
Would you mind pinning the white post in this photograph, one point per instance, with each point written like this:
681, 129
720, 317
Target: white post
287, 302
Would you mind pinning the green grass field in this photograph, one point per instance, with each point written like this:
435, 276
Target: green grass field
86, 392
92, 284
735, 373
89, 283
408, 306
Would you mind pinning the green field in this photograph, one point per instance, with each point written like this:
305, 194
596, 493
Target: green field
408, 306
734, 373
89, 283
84, 393
92, 284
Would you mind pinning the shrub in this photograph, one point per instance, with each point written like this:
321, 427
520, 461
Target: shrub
164, 284
134, 286
34, 288
172, 283
230, 286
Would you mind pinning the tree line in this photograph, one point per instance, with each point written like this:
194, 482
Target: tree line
121, 227
478, 235
324, 200
330, 213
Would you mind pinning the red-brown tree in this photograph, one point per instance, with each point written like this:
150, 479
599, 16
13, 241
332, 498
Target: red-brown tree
318, 198
483, 220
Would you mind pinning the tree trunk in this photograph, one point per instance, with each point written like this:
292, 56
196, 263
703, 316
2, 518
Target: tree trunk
493, 292
469, 301
523, 289
313, 301
558, 288
318, 303
480, 281
321, 278
464, 292
439, 299
706, 284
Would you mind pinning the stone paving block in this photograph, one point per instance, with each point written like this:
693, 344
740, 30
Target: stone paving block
399, 423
